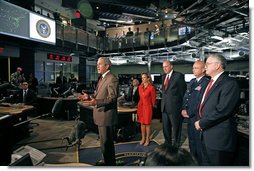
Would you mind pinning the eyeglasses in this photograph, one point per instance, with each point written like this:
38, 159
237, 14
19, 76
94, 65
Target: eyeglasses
24, 84
209, 63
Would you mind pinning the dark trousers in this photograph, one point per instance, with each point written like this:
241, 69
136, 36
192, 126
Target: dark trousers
107, 145
194, 139
211, 157
172, 128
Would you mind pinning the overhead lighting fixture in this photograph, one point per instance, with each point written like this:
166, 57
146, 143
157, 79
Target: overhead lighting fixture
217, 38
117, 21
139, 16
77, 14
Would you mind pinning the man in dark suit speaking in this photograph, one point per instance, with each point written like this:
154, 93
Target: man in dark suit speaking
173, 89
104, 101
216, 110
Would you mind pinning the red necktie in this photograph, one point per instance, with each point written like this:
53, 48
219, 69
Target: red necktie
206, 93
166, 82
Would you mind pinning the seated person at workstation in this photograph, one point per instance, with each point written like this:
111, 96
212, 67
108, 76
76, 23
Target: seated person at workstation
61, 88
26, 95
73, 81
133, 95
61, 79
33, 82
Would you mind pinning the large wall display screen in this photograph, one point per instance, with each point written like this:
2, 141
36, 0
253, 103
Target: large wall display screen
13, 20
42, 28
18, 22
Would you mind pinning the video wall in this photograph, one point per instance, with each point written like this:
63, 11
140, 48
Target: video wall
18, 22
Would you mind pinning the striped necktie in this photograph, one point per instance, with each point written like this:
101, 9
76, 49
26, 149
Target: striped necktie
206, 93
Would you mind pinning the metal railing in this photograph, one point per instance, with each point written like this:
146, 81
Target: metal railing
143, 40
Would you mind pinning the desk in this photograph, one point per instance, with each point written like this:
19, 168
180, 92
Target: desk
69, 109
68, 165
242, 150
124, 116
13, 109
18, 113
9, 116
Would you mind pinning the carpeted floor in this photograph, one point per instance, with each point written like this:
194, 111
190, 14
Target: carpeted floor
127, 154
51, 128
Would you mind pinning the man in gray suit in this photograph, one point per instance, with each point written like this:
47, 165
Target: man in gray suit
104, 101
173, 89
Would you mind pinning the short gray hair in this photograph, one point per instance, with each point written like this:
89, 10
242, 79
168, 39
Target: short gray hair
222, 60
106, 60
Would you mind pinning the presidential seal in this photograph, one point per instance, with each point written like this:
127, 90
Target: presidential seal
43, 28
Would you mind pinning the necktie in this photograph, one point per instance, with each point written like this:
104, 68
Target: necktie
206, 93
24, 96
166, 82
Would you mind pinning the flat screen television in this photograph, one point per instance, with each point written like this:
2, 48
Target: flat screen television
182, 31
19, 22
188, 77
156, 78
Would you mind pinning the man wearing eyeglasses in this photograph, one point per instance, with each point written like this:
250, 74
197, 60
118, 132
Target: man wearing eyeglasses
216, 112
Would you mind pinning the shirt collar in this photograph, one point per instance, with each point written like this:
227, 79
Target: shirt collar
169, 74
217, 76
103, 75
199, 78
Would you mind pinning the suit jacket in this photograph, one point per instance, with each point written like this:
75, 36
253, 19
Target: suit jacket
105, 112
172, 97
30, 97
146, 103
131, 97
217, 121
193, 95
60, 81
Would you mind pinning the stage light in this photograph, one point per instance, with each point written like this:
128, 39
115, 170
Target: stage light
1, 50
77, 14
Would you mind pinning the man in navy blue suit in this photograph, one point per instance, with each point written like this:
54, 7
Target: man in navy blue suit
191, 100
217, 126
173, 89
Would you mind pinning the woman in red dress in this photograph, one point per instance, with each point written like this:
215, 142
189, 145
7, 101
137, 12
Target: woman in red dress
146, 103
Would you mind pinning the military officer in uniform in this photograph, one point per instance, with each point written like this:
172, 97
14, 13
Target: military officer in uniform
191, 100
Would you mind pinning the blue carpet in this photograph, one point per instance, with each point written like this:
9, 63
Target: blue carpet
126, 153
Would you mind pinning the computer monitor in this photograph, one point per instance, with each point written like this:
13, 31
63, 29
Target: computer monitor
156, 78
188, 77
